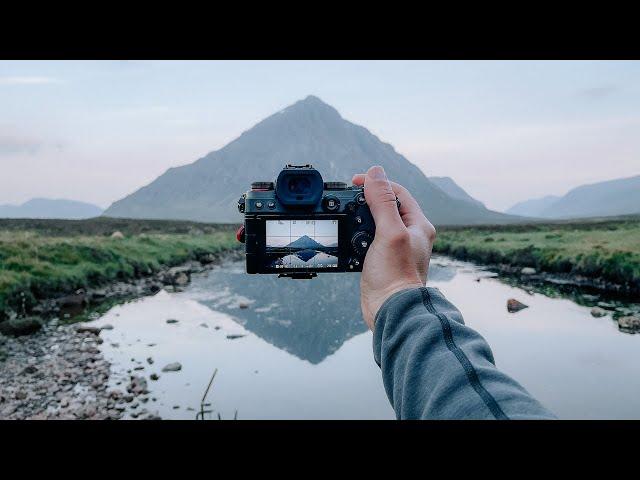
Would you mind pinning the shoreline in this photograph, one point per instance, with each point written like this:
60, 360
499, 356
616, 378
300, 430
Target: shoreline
59, 372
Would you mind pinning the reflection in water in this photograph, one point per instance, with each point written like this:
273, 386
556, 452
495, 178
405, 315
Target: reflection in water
310, 319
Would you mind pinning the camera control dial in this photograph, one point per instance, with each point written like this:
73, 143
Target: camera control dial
360, 242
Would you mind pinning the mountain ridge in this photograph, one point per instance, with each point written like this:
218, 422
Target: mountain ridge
51, 208
620, 196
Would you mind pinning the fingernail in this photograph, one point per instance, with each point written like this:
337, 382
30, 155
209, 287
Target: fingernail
377, 173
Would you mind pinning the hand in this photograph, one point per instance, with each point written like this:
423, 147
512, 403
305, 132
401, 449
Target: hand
399, 256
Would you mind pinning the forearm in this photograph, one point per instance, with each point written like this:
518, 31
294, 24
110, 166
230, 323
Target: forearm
435, 367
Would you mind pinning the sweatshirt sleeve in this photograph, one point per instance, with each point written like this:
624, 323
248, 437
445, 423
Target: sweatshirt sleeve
435, 367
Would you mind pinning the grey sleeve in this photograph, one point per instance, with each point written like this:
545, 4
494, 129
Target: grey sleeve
435, 367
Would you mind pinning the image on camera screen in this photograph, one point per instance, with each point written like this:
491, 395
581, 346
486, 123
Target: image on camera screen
301, 244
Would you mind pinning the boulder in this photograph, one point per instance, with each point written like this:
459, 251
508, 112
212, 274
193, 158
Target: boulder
117, 234
629, 324
514, 305
528, 271
20, 326
598, 312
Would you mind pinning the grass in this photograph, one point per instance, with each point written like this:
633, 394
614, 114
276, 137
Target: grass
40, 259
608, 249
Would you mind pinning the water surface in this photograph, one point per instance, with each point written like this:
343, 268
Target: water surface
299, 348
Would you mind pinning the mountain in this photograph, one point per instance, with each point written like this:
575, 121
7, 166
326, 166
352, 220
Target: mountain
451, 188
50, 208
305, 242
309, 131
602, 199
534, 207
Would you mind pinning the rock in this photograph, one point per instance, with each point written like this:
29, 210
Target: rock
108, 326
29, 369
606, 305
154, 376
514, 305
172, 367
117, 234
172, 320
10, 410
207, 258
73, 300
176, 276
88, 329
181, 279
528, 271
243, 305
630, 324
204, 325
150, 360
233, 336
598, 312
20, 326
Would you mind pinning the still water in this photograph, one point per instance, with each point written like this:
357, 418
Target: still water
298, 349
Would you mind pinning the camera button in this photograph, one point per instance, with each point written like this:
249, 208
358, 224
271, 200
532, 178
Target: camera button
360, 199
358, 220
331, 203
271, 204
258, 205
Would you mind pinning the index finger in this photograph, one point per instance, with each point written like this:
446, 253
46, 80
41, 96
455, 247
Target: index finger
410, 211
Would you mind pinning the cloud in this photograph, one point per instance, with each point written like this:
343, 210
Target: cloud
602, 91
10, 145
27, 80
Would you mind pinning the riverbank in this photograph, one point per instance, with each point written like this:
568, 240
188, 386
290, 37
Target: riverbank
49, 265
603, 255
59, 371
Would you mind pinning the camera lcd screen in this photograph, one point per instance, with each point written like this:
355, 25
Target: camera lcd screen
303, 244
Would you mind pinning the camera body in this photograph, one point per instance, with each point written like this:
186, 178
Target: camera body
301, 225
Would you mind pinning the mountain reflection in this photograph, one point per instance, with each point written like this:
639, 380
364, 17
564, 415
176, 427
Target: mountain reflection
310, 319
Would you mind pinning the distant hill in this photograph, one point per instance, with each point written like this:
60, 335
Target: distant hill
451, 188
51, 208
534, 207
305, 242
309, 131
609, 198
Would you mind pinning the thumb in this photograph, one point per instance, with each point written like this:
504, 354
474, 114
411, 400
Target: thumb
382, 201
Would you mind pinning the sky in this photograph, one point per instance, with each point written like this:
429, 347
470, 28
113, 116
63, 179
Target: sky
505, 131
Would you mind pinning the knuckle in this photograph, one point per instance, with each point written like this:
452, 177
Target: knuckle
399, 239
430, 231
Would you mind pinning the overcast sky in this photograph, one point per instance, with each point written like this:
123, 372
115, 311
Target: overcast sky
505, 131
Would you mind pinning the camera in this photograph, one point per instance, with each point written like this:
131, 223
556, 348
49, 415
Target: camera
301, 225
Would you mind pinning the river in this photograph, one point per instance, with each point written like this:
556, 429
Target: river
298, 349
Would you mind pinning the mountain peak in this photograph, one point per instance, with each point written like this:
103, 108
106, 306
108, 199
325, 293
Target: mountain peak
312, 104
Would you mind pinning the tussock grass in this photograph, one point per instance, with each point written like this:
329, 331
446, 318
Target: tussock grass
609, 250
56, 257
